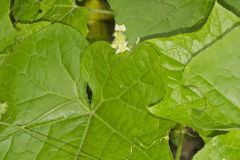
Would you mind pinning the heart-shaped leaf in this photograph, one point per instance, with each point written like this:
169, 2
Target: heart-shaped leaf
50, 116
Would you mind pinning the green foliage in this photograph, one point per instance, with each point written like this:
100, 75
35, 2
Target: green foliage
62, 97
156, 18
215, 72
181, 95
233, 5
221, 147
61, 11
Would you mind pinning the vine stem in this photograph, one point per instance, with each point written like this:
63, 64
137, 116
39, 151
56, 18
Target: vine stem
100, 11
180, 145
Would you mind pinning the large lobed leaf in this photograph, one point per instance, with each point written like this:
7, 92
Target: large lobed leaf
49, 116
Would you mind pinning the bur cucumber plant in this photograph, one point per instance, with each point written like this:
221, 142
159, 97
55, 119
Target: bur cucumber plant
119, 79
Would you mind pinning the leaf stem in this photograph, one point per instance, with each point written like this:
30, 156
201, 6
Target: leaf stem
109, 12
180, 144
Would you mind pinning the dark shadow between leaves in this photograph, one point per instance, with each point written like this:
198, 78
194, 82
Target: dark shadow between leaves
102, 21
192, 143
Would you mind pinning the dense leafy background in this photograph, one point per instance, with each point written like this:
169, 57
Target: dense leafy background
71, 99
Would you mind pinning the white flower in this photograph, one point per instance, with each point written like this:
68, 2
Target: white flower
120, 43
3, 109
120, 28
122, 48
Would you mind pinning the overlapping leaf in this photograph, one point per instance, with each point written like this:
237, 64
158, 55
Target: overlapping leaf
216, 72
178, 50
123, 87
61, 11
10, 35
233, 5
222, 147
146, 18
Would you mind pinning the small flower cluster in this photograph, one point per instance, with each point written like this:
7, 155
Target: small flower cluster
120, 43
3, 109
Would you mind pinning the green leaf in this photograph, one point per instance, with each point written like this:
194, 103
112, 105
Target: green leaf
233, 5
123, 87
223, 147
64, 11
42, 94
7, 32
216, 72
177, 52
49, 115
145, 19
10, 35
